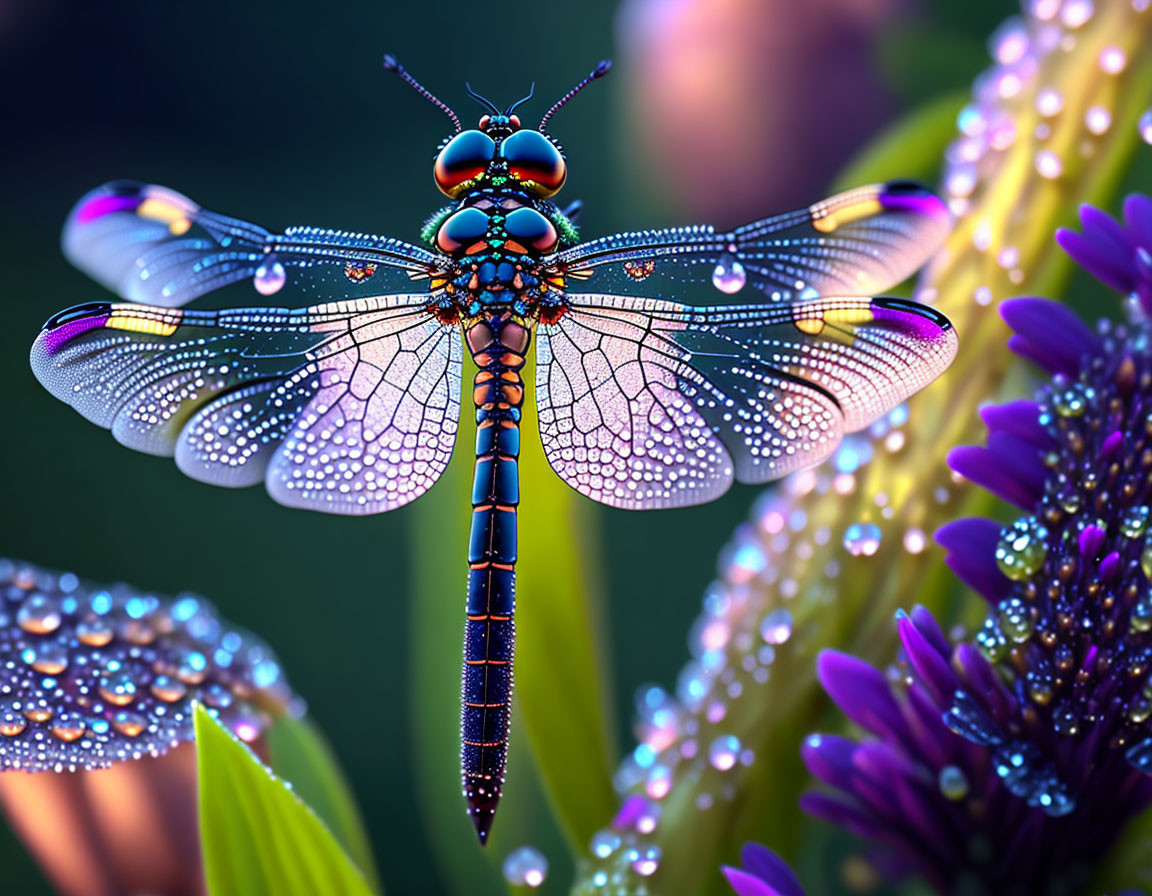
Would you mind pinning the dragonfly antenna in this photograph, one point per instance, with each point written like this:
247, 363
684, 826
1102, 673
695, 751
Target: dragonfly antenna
390, 64
599, 72
481, 99
531, 93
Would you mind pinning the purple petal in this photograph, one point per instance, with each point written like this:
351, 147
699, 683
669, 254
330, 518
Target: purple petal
632, 809
1020, 458
1020, 419
1138, 218
829, 759
935, 673
985, 468
746, 884
1091, 541
1098, 259
860, 691
927, 625
843, 814
1049, 333
772, 869
971, 546
1103, 231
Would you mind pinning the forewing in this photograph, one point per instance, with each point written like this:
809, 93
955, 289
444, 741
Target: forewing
150, 244
649, 404
349, 407
859, 242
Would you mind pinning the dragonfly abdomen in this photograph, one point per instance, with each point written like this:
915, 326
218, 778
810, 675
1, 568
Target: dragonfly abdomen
498, 344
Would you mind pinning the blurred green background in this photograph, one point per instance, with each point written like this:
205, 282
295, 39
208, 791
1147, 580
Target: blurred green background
280, 113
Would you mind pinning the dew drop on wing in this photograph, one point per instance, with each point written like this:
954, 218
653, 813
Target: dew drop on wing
728, 276
270, 277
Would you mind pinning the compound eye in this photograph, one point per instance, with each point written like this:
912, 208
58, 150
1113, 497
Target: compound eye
514, 122
532, 157
530, 228
465, 157
484, 119
463, 229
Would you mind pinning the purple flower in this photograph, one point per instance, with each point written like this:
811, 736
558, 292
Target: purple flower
1117, 255
764, 874
1011, 765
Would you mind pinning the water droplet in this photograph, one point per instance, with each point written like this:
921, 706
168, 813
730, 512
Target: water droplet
1145, 126
776, 627
862, 539
953, 782
68, 727
659, 781
130, 724
50, 658
645, 860
1017, 620
724, 752
1134, 521
1076, 13
990, 641
728, 276
1097, 119
118, 688
1048, 164
270, 277
12, 723
1140, 619
1049, 102
1070, 403
604, 843
39, 615
1022, 549
525, 867
1112, 60
1040, 686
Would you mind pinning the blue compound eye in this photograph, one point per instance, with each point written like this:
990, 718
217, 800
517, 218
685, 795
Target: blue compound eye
464, 158
462, 230
532, 157
530, 228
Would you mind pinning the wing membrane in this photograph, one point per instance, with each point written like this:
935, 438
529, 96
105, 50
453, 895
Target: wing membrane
647, 404
859, 242
349, 407
151, 244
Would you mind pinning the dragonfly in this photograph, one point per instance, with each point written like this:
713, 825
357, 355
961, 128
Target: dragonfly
669, 362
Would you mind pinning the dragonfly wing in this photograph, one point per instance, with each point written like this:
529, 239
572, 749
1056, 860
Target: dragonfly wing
350, 407
648, 404
859, 242
150, 244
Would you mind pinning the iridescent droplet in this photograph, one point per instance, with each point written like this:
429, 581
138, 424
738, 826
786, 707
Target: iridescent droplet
1070, 403
50, 658
1016, 619
118, 688
953, 783
12, 722
604, 843
270, 277
1146, 559
39, 615
1048, 164
728, 276
68, 727
1144, 126
776, 627
525, 866
1022, 549
645, 860
724, 752
1134, 521
990, 641
1097, 119
1140, 619
862, 539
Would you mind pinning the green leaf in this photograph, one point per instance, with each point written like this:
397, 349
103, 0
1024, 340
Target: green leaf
300, 753
911, 148
258, 838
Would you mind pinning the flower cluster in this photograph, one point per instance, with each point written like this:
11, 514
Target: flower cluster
1010, 765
